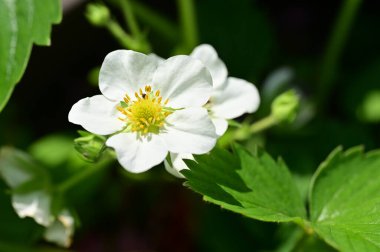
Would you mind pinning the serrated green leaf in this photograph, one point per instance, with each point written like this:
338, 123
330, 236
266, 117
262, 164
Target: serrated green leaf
22, 22
345, 200
255, 186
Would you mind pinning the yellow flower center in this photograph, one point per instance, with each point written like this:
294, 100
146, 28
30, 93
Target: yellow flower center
145, 114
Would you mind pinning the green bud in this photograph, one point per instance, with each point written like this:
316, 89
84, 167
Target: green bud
285, 106
90, 146
369, 111
97, 14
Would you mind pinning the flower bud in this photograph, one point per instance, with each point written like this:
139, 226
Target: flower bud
90, 146
369, 111
285, 106
97, 14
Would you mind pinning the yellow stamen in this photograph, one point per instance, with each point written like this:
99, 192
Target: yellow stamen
144, 114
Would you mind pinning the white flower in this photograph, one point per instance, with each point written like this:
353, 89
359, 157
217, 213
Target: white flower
231, 97
61, 230
34, 200
149, 107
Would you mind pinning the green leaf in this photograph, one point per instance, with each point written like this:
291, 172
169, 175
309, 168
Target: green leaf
255, 186
52, 150
22, 22
345, 200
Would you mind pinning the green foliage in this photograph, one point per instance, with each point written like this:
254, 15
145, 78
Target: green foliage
344, 200
344, 194
52, 150
22, 24
255, 186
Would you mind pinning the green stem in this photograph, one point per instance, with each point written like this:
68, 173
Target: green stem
125, 39
305, 225
188, 23
83, 175
263, 124
130, 18
155, 21
335, 48
244, 131
117, 31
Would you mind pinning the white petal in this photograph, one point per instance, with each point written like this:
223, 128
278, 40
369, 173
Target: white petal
184, 80
156, 58
35, 205
125, 71
209, 57
13, 174
220, 124
189, 131
138, 154
97, 115
178, 163
61, 230
234, 98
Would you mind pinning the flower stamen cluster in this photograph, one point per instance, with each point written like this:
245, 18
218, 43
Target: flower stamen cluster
147, 113
149, 108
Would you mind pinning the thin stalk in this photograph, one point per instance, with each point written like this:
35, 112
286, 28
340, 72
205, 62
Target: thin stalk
263, 124
155, 21
121, 36
83, 175
188, 23
130, 18
335, 48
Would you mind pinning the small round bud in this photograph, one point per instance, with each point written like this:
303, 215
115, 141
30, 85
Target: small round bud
97, 14
285, 106
90, 146
369, 111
